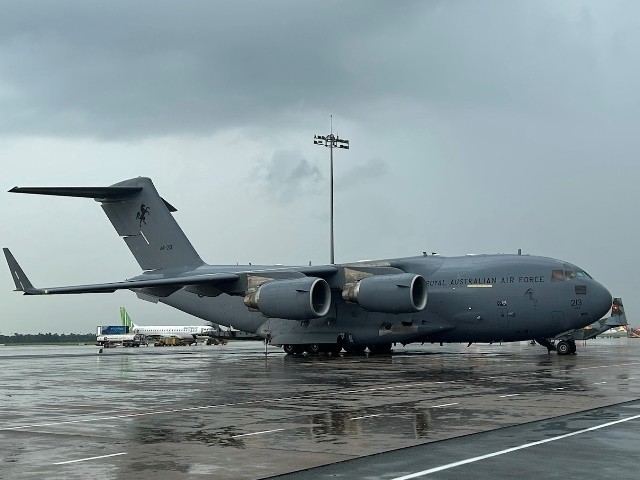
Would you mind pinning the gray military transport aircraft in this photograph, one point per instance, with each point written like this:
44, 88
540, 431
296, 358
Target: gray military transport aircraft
351, 306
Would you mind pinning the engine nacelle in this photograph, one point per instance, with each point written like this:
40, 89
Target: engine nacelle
293, 299
401, 293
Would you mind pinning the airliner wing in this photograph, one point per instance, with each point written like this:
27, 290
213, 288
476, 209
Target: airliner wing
24, 285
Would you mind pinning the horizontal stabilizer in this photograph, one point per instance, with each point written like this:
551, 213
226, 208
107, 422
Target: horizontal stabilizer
99, 193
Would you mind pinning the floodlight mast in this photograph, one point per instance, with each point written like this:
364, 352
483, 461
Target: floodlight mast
332, 142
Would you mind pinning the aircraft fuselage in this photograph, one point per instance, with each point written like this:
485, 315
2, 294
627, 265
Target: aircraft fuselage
479, 298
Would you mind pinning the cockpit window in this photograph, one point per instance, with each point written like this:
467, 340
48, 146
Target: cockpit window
582, 274
562, 275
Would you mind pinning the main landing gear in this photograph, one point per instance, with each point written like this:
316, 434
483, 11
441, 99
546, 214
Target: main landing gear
312, 349
380, 349
293, 349
335, 349
351, 349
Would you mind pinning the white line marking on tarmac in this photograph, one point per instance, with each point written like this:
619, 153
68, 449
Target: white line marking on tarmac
90, 458
444, 405
599, 383
367, 416
512, 449
257, 433
559, 388
510, 395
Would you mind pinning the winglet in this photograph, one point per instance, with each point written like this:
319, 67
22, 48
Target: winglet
20, 279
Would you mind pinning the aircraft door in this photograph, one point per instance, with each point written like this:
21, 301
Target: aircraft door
503, 317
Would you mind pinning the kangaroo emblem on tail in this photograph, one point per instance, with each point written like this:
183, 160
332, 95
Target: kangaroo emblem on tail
142, 214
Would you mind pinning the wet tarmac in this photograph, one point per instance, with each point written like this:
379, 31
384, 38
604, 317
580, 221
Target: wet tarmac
228, 412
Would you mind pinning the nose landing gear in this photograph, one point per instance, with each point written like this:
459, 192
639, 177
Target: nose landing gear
566, 347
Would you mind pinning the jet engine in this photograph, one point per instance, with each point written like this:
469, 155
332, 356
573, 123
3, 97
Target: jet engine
293, 299
401, 293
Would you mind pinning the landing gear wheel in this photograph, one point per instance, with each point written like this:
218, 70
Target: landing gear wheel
380, 349
354, 349
313, 348
289, 349
563, 347
331, 349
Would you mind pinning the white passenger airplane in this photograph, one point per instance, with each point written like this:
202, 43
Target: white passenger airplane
166, 331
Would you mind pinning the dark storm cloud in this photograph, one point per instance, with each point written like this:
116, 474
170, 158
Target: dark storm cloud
138, 68
286, 175
130, 69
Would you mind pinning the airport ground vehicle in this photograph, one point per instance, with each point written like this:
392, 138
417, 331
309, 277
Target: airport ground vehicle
124, 340
173, 342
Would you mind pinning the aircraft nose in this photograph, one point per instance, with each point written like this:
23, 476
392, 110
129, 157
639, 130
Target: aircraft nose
601, 300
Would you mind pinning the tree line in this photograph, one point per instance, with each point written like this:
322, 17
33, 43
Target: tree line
24, 338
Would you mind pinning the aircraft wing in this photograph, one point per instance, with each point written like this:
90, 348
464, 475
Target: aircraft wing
24, 285
208, 284
176, 282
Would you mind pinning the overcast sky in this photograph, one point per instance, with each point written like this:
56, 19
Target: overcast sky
475, 127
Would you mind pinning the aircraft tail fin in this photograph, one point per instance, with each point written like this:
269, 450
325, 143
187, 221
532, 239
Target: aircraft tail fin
141, 217
126, 319
618, 318
19, 278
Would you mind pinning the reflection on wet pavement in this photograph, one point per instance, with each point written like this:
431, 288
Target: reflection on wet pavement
229, 412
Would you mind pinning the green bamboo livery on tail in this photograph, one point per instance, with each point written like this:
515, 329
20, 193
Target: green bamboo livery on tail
126, 319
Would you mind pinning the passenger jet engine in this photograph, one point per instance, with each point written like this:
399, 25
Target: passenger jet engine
401, 293
293, 299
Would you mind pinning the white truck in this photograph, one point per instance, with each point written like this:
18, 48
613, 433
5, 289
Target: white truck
124, 340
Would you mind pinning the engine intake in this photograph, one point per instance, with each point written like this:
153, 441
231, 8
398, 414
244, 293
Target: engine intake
401, 293
292, 299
